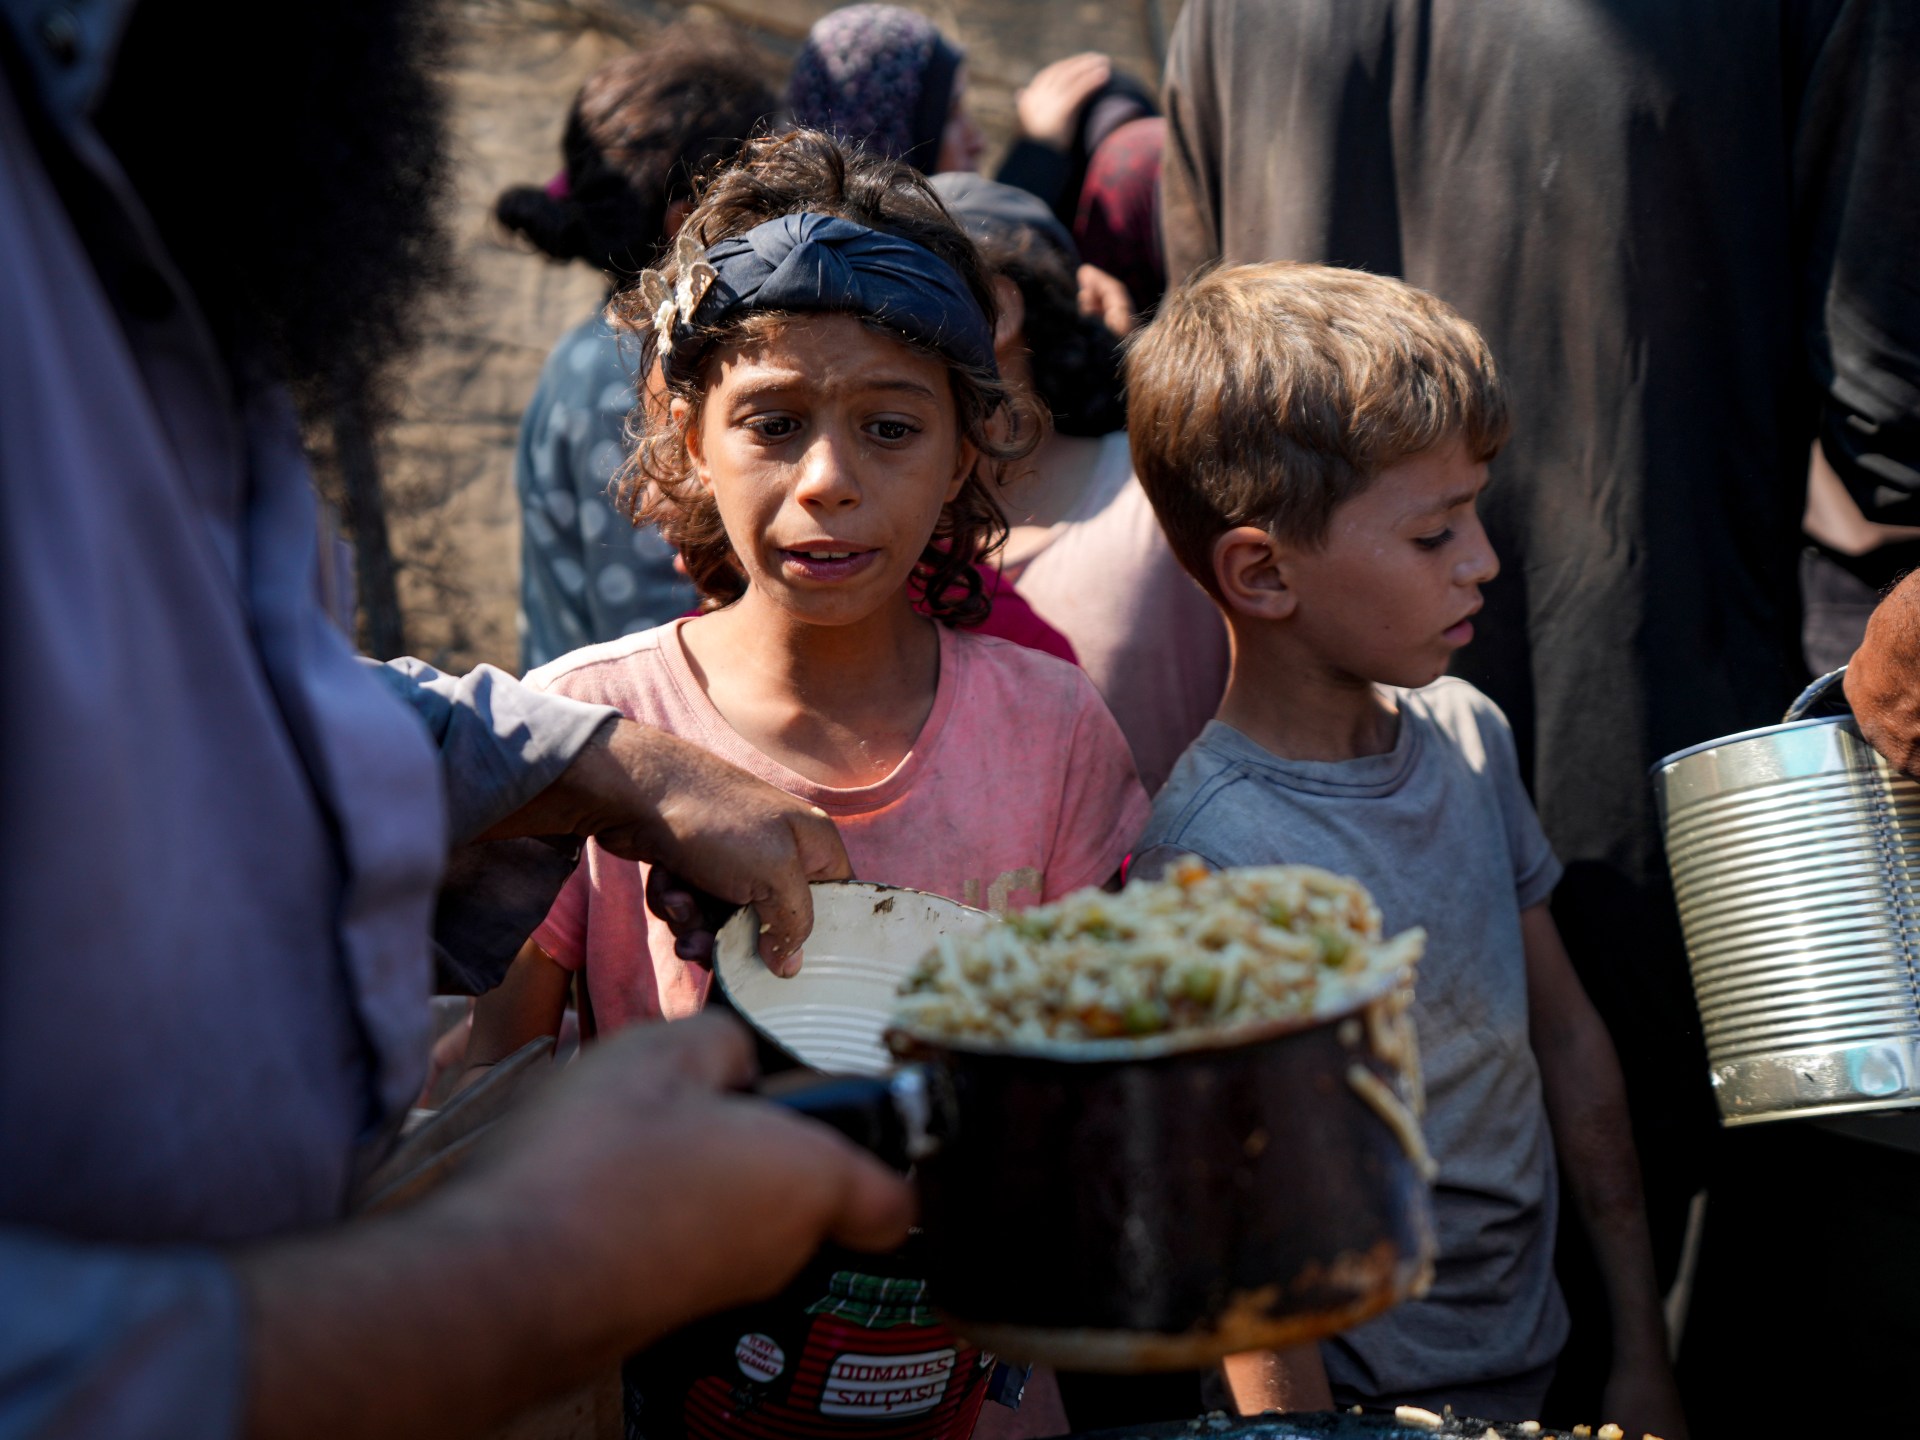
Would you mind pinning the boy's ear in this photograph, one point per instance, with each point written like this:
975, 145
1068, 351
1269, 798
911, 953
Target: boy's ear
1250, 567
680, 410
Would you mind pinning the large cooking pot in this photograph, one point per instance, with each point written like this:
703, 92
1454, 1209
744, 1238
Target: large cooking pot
1336, 1425
1795, 853
1145, 1204
1414, 1424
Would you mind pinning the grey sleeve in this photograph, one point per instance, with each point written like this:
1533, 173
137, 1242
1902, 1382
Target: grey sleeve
501, 742
1536, 869
1858, 206
136, 1344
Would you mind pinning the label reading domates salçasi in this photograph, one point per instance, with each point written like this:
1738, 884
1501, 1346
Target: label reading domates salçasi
870, 1386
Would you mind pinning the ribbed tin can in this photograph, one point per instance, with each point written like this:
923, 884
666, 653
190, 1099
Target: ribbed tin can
1795, 853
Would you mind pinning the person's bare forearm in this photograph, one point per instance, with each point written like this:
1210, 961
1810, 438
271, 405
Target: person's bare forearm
634, 1195
1263, 1380
645, 795
528, 1003
417, 1326
1835, 520
1586, 1101
613, 781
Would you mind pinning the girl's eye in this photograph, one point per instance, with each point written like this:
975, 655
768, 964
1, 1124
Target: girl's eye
773, 427
893, 429
1434, 542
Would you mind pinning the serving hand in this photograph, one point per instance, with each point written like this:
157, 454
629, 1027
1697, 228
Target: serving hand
718, 833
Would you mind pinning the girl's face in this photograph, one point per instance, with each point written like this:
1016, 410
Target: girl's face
961, 143
830, 451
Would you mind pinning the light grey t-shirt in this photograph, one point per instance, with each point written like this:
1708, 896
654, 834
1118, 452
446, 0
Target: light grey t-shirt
1440, 830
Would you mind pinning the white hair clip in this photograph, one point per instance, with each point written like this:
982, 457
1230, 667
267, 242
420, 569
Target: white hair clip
673, 301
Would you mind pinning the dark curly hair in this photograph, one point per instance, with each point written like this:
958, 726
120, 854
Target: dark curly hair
640, 131
1076, 358
808, 170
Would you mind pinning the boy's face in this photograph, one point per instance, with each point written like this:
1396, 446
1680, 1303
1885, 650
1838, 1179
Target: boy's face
1390, 595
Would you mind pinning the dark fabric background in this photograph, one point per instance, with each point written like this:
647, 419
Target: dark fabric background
1687, 229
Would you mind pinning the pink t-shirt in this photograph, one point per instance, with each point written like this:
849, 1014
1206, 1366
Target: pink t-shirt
1147, 635
1019, 788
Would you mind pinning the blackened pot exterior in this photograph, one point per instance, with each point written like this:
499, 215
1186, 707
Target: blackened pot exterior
1160, 1213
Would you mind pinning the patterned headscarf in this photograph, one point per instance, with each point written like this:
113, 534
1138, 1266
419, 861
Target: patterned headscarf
880, 77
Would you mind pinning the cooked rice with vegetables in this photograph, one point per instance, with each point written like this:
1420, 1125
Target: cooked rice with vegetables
1196, 949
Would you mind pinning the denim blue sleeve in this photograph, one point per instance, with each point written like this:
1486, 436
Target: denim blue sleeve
556, 610
139, 1344
587, 574
501, 742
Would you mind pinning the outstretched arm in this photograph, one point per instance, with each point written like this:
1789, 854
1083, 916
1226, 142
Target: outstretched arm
1587, 1107
650, 796
634, 1195
519, 761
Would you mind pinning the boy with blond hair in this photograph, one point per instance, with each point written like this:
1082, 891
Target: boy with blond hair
1313, 441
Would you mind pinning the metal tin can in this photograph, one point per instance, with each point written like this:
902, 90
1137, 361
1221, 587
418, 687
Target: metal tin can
1795, 852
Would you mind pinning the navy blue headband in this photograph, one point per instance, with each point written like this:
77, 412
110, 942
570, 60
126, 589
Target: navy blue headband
814, 262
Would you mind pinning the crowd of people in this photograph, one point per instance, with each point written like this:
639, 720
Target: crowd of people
1370, 444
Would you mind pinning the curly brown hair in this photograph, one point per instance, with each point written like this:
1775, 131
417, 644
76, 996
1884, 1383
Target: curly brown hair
808, 170
1076, 358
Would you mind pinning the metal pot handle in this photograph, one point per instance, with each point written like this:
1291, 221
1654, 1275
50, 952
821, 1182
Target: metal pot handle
1823, 697
891, 1116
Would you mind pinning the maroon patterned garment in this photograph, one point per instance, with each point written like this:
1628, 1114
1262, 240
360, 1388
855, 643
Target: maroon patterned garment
1117, 224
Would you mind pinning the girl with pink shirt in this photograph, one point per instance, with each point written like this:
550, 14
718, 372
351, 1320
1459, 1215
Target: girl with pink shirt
831, 434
